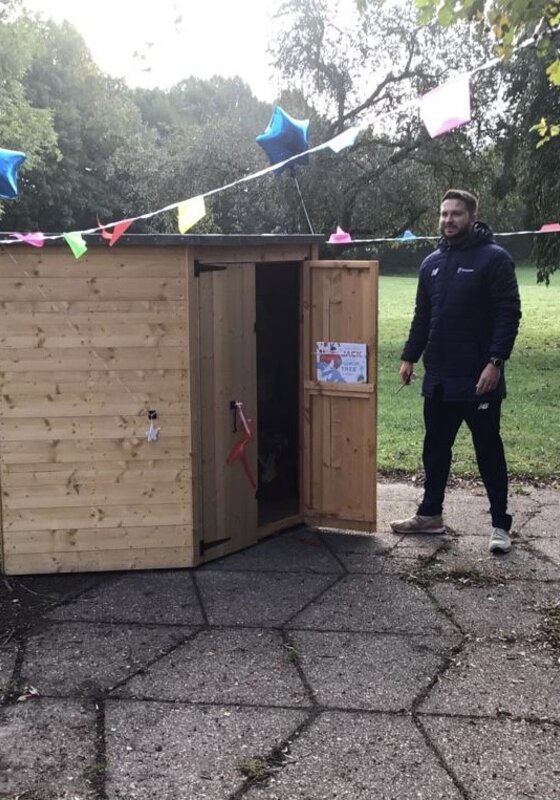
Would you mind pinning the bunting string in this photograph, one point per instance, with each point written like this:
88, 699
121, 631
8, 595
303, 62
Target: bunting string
434, 108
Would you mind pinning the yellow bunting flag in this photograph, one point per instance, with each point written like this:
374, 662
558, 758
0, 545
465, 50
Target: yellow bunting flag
76, 243
190, 212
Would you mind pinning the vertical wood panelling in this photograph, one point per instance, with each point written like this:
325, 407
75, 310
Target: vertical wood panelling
227, 373
339, 420
86, 347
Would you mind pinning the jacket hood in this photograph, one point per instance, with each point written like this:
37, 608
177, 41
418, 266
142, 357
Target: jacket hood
480, 233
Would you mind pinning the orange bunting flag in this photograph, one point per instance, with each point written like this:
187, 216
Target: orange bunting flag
118, 230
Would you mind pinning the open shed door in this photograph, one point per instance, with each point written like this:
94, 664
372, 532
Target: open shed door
339, 300
227, 357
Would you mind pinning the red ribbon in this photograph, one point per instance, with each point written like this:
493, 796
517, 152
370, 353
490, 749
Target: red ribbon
238, 449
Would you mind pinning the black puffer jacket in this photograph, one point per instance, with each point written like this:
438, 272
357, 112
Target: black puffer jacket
467, 310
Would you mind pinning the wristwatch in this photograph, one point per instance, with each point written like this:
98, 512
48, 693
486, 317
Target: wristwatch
496, 362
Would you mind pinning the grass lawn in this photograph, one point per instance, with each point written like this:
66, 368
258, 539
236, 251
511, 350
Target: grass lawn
531, 411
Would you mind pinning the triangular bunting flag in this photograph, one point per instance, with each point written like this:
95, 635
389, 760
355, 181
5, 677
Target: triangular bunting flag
76, 243
119, 228
190, 212
36, 239
446, 107
549, 227
408, 235
339, 237
343, 140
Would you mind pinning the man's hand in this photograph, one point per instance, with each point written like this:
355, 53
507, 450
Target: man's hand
406, 372
489, 379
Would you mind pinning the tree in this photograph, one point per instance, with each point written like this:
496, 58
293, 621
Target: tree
204, 138
533, 95
511, 22
93, 116
23, 126
371, 72
532, 171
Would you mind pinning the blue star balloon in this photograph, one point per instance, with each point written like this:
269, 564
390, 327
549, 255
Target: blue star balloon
10, 162
285, 137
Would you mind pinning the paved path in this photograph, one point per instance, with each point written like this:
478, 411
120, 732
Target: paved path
336, 666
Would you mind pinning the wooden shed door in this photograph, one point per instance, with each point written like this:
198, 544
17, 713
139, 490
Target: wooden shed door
339, 419
227, 351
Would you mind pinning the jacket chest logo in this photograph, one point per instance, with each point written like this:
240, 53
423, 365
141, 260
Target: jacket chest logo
464, 269
435, 272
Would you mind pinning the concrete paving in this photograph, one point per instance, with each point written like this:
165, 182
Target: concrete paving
315, 665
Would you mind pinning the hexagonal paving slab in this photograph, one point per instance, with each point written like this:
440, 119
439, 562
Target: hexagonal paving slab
505, 610
47, 750
294, 551
359, 757
164, 597
224, 666
498, 759
77, 657
248, 598
381, 603
8, 653
470, 554
369, 671
161, 750
490, 678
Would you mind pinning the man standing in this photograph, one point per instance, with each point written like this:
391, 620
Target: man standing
465, 323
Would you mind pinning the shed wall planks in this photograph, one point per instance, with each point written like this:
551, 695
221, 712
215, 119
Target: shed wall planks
86, 347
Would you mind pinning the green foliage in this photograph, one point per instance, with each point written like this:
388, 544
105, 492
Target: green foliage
531, 412
97, 148
532, 171
23, 126
370, 72
91, 116
546, 131
510, 22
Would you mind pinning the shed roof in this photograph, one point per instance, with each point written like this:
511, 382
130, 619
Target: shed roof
206, 239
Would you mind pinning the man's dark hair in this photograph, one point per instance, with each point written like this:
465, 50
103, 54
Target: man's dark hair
470, 200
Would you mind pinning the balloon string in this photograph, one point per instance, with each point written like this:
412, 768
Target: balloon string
303, 204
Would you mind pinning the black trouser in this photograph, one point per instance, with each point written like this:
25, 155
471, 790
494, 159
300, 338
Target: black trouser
443, 419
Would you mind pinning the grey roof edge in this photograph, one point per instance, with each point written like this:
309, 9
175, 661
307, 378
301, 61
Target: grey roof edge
200, 240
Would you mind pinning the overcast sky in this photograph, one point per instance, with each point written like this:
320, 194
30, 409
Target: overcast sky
159, 43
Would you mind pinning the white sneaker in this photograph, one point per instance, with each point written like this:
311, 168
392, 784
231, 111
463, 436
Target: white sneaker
499, 541
419, 524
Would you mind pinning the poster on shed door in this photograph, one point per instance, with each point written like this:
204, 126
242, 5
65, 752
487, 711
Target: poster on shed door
341, 362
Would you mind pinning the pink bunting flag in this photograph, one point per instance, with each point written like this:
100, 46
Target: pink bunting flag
550, 227
34, 239
447, 107
339, 237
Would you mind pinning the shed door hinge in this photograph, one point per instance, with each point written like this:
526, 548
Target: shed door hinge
204, 546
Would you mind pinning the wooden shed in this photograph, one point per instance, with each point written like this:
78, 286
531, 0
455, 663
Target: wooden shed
189, 327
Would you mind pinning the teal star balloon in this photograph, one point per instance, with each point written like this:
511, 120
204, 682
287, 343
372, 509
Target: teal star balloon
10, 162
